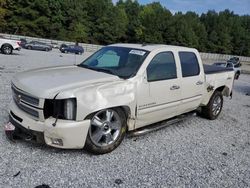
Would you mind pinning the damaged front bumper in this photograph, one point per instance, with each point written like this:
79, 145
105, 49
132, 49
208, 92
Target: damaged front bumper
64, 134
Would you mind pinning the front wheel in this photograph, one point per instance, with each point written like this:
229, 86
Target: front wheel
107, 130
214, 107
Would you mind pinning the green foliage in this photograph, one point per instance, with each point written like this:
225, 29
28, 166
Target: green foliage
102, 22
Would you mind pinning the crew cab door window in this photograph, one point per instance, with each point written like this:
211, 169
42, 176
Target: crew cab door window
189, 64
192, 82
162, 67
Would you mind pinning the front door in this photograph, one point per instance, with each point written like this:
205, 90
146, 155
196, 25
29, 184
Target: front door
159, 96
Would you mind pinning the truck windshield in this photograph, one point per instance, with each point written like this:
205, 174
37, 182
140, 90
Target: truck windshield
119, 61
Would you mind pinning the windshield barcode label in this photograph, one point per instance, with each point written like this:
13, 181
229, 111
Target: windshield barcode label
137, 52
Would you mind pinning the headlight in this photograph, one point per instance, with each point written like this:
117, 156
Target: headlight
60, 108
70, 109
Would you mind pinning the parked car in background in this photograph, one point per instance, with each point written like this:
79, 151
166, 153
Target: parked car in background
23, 42
35, 45
235, 61
7, 46
76, 49
230, 64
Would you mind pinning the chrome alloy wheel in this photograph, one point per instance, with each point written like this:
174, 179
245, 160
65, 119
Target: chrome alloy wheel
105, 127
7, 49
217, 104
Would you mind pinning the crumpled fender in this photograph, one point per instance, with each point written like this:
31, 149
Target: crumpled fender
100, 96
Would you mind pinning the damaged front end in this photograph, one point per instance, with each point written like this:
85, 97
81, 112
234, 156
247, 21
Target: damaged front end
15, 131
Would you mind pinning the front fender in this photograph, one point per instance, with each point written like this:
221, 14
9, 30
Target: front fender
96, 97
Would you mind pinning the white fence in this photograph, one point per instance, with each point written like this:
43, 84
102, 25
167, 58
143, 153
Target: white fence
219, 57
92, 47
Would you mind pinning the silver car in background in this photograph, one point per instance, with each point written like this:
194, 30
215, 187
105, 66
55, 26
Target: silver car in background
230, 64
35, 45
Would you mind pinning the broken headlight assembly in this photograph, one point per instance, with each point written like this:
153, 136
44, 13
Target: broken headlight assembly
60, 108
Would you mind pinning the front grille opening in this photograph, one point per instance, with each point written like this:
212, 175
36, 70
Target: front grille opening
27, 109
27, 98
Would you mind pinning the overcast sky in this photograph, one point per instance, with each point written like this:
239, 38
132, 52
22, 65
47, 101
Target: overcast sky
202, 6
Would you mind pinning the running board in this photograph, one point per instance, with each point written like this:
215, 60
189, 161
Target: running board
160, 125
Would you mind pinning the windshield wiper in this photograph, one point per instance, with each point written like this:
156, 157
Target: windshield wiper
86, 66
104, 70
101, 70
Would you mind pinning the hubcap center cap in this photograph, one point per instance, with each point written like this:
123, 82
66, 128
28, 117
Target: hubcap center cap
106, 126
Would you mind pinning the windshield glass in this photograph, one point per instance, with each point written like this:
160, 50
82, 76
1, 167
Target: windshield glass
119, 61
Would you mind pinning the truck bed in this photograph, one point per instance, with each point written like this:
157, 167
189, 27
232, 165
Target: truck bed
211, 69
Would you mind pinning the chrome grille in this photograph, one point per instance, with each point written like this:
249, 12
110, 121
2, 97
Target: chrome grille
28, 99
26, 102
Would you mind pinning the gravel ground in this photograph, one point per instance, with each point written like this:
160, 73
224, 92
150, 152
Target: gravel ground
194, 153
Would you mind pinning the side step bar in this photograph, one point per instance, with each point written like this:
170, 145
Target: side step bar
160, 125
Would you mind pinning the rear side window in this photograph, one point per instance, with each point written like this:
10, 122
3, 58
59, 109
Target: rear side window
189, 64
162, 67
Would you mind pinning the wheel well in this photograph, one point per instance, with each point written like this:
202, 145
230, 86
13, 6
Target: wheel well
224, 90
220, 88
125, 109
7, 44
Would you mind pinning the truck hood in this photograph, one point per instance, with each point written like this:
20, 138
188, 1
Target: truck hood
48, 82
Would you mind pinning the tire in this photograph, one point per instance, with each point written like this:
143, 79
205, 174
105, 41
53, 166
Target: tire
214, 107
7, 49
107, 130
236, 76
29, 47
46, 49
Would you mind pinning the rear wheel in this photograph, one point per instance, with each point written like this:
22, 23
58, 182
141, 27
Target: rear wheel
237, 75
107, 130
7, 49
29, 47
46, 49
214, 107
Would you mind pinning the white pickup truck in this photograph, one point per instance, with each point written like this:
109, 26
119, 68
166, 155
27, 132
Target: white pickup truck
7, 46
120, 88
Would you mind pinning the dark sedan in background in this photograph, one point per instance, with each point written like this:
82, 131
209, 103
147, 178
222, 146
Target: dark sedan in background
35, 45
76, 49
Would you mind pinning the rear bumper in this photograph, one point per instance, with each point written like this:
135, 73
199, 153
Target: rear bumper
64, 134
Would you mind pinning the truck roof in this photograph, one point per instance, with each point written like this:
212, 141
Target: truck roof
151, 47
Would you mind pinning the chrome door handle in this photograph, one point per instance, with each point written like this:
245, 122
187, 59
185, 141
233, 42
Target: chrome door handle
199, 83
174, 87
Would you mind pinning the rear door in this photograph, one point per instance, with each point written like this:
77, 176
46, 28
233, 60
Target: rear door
192, 81
159, 96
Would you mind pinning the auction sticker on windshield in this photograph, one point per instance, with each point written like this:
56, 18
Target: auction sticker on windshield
137, 52
9, 127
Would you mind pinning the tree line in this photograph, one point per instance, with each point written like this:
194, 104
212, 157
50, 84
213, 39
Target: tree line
102, 22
